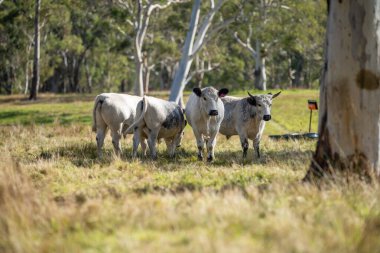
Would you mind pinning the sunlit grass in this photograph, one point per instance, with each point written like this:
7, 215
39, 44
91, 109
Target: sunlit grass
57, 196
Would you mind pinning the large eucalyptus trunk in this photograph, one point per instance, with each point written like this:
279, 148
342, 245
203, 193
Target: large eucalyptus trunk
139, 80
36, 59
349, 119
186, 59
195, 40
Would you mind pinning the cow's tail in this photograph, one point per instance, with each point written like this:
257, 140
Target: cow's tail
143, 111
98, 100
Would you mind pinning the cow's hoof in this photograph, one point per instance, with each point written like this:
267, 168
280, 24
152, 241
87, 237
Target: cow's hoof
209, 159
200, 158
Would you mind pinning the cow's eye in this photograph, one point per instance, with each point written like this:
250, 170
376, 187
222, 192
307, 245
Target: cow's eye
259, 105
204, 98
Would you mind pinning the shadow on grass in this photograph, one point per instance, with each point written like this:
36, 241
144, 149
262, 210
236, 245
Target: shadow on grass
15, 114
82, 155
49, 99
40, 118
86, 155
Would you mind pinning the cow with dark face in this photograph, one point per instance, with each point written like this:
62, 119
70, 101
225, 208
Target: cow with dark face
204, 112
246, 117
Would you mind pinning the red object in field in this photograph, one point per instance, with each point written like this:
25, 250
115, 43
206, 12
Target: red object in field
312, 104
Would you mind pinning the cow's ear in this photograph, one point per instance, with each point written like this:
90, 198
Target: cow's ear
197, 91
252, 101
275, 95
222, 92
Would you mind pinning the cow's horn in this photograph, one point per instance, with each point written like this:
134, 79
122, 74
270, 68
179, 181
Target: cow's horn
250, 94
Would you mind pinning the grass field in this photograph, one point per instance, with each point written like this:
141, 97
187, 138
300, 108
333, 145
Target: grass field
57, 196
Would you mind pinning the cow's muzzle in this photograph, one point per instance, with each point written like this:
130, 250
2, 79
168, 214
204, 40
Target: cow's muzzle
213, 113
267, 117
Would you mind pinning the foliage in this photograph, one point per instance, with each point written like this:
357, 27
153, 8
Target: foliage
86, 45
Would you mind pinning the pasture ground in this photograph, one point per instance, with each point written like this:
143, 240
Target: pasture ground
57, 196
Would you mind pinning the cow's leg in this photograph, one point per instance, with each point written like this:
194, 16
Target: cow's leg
200, 143
101, 131
116, 136
152, 139
136, 140
256, 146
170, 145
100, 135
211, 146
143, 146
244, 144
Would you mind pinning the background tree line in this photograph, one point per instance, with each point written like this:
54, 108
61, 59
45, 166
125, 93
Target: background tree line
99, 45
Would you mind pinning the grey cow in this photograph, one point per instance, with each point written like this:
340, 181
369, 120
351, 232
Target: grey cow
157, 119
205, 112
246, 117
112, 111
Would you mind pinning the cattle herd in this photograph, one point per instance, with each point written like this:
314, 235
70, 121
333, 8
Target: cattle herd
208, 111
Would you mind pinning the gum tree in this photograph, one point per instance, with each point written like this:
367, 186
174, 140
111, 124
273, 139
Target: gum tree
197, 36
36, 59
140, 12
349, 119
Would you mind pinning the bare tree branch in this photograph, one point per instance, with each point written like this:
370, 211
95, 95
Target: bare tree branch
163, 6
200, 71
212, 4
205, 26
245, 45
214, 31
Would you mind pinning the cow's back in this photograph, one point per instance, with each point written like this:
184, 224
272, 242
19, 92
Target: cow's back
240, 116
164, 116
231, 114
118, 108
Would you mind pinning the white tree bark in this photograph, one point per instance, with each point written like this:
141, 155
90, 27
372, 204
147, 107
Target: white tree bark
196, 38
28, 49
349, 119
140, 24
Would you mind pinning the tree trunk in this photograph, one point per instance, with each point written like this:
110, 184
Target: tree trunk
349, 118
260, 82
139, 80
88, 77
146, 72
199, 65
186, 60
123, 83
36, 60
28, 49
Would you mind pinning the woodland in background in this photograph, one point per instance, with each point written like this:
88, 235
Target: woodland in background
87, 46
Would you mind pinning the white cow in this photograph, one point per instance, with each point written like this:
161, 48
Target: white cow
112, 110
204, 112
157, 119
246, 117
